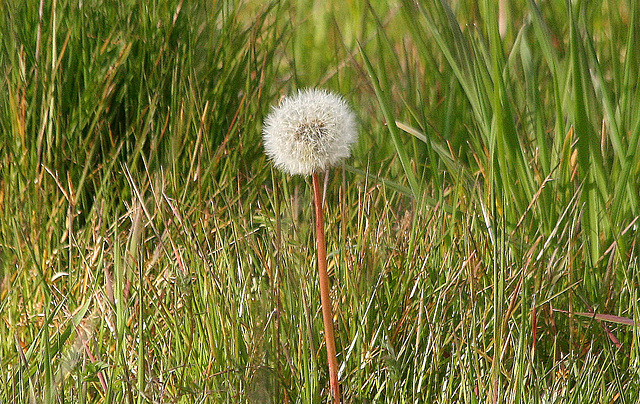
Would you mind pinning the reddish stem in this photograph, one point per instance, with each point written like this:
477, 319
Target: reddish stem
327, 315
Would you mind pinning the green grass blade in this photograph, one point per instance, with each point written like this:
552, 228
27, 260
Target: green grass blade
379, 83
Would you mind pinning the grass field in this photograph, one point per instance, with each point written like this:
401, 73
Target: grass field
482, 239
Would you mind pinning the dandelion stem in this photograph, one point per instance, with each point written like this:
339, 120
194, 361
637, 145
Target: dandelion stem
327, 315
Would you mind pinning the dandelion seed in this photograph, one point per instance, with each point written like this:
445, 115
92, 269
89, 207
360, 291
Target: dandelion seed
309, 132
305, 134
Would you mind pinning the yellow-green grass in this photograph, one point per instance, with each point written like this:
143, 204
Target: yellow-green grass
149, 252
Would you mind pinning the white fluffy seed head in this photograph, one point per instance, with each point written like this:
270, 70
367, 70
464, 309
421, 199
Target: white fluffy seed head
309, 132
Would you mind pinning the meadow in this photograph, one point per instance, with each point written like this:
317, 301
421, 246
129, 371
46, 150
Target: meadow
481, 239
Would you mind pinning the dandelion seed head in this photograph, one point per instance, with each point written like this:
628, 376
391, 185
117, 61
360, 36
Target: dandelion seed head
309, 132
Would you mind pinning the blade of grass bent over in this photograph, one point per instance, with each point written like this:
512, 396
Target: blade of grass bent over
385, 105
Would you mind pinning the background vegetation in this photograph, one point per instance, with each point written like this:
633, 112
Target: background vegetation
482, 240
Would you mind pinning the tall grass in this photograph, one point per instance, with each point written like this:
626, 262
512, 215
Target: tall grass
526, 120
118, 125
148, 253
